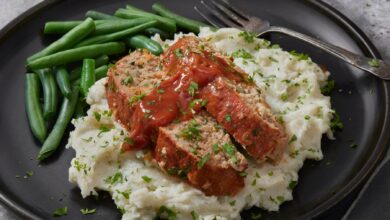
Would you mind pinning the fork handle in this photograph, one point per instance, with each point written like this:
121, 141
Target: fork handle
382, 70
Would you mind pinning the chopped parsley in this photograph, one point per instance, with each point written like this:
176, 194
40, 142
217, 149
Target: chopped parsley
60, 212
203, 161
284, 97
192, 132
103, 129
228, 118
116, 178
270, 173
215, 148
97, 116
294, 153
249, 37
194, 215
307, 117
335, 122
137, 98
178, 53
255, 216
280, 199
80, 166
87, 211
292, 139
328, 88
147, 179
353, 144
241, 53
292, 184
254, 182
182, 173
29, 174
273, 59
229, 149
129, 140
125, 194
374, 63
127, 81
193, 88
232, 203
200, 102
167, 212
160, 91
243, 174
300, 56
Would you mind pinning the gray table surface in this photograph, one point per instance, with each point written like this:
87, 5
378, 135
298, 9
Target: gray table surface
372, 16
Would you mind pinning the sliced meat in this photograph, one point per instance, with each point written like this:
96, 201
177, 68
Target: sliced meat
179, 154
200, 152
129, 80
241, 110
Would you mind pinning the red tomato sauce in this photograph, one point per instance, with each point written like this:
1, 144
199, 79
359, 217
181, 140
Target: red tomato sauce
176, 99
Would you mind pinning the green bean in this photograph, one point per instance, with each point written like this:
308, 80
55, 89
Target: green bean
183, 22
141, 41
101, 72
100, 61
100, 15
112, 26
50, 92
77, 54
33, 107
59, 27
102, 26
66, 41
87, 76
63, 82
165, 23
54, 139
117, 35
152, 31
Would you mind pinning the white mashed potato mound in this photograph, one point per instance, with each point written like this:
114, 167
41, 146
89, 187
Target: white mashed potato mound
290, 85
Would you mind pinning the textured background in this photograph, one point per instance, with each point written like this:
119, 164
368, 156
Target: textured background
372, 16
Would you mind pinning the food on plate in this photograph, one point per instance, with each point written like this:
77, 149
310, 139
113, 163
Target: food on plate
197, 125
211, 163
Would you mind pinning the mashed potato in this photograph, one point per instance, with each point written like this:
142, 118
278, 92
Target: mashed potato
291, 85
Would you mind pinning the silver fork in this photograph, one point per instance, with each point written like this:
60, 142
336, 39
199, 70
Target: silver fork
234, 17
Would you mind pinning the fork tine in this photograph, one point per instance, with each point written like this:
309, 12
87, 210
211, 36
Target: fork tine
232, 14
235, 9
206, 17
219, 15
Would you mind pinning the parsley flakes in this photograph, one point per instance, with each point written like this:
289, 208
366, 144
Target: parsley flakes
147, 179
228, 118
249, 37
87, 211
328, 88
193, 88
229, 149
374, 63
60, 212
166, 212
335, 122
116, 178
192, 132
203, 161
299, 56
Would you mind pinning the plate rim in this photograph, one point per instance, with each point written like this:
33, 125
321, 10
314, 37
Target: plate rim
327, 10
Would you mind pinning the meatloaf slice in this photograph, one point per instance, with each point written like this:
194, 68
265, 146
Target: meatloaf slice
200, 152
129, 80
184, 143
241, 110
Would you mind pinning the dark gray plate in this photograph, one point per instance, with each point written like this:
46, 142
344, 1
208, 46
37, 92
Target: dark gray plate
362, 104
